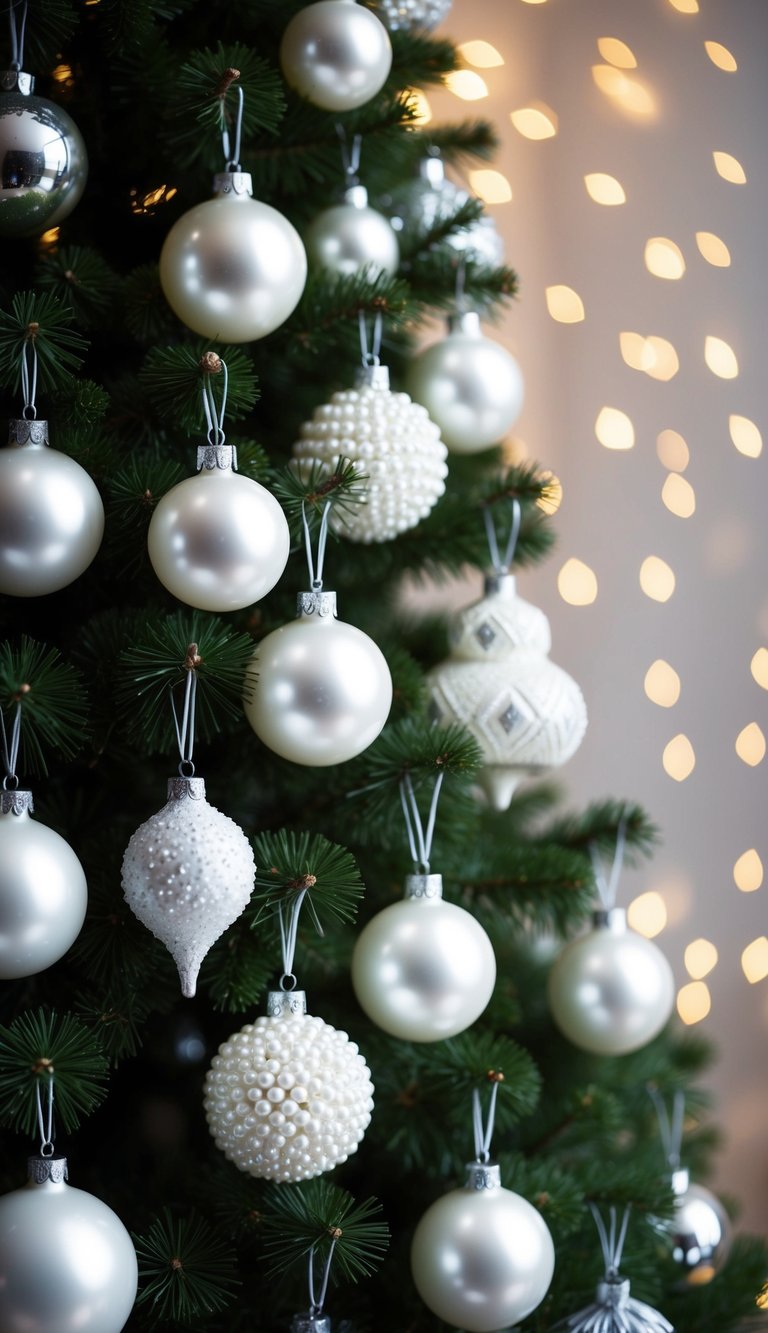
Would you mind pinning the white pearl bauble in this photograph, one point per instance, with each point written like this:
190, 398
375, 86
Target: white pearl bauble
470, 385
320, 690
336, 54
423, 969
43, 893
288, 1097
187, 875
45, 164
218, 540
482, 1258
699, 1230
350, 238
51, 515
611, 991
67, 1263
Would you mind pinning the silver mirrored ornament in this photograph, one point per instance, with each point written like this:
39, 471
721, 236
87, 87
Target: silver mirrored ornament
430, 198
351, 238
411, 15
615, 1311
43, 160
699, 1232
336, 53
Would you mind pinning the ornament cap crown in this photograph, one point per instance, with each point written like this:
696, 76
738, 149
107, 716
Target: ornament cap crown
286, 1003
613, 1293
372, 377
680, 1180
217, 456
16, 802
483, 1176
356, 196
500, 585
22, 432
233, 183
423, 886
432, 170
17, 81
179, 789
465, 321
41, 1170
613, 919
310, 1323
316, 604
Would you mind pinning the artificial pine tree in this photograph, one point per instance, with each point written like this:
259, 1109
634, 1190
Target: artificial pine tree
98, 1051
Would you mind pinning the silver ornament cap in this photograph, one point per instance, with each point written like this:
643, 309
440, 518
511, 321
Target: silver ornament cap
310, 1323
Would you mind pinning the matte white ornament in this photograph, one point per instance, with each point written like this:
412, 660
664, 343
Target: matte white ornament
45, 164
187, 875
351, 238
430, 198
51, 515
410, 15
43, 893
482, 1257
218, 540
423, 969
232, 268
336, 54
289, 1096
67, 1263
389, 439
699, 1231
470, 385
527, 714
611, 991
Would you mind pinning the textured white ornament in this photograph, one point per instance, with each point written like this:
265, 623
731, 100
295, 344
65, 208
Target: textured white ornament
526, 713
45, 165
288, 1096
351, 238
611, 991
408, 15
470, 385
482, 1257
320, 690
232, 268
67, 1263
699, 1230
43, 893
423, 969
392, 441
187, 875
218, 540
51, 515
336, 54
430, 198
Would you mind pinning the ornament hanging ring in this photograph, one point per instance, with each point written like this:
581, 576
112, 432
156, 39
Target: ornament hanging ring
286, 978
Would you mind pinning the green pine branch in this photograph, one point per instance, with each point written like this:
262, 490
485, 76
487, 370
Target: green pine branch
82, 279
297, 1219
203, 97
39, 320
172, 378
186, 1271
290, 862
40, 1045
50, 696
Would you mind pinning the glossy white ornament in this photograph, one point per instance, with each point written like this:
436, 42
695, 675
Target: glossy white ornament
289, 1096
51, 514
67, 1263
336, 54
470, 385
218, 540
351, 238
423, 969
392, 441
410, 15
187, 875
320, 690
233, 269
430, 198
699, 1231
43, 893
43, 157
611, 991
482, 1257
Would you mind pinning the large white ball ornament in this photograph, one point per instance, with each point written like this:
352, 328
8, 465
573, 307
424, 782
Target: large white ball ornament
43, 893
218, 540
351, 238
67, 1263
470, 385
232, 268
423, 969
482, 1257
43, 157
288, 1096
320, 690
336, 54
611, 991
51, 514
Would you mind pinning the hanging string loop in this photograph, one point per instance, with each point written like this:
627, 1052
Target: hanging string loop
185, 729
419, 837
231, 145
316, 571
670, 1126
29, 377
45, 1122
10, 749
350, 154
214, 416
18, 29
483, 1133
372, 357
607, 887
316, 1303
611, 1238
501, 563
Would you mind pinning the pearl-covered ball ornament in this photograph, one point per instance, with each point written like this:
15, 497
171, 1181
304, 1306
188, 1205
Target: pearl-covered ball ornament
336, 54
411, 15
352, 238
699, 1232
43, 157
611, 991
289, 1096
232, 268
423, 969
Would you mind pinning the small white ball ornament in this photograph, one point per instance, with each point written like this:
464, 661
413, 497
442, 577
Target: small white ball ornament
423, 969
482, 1257
336, 54
351, 238
43, 155
288, 1096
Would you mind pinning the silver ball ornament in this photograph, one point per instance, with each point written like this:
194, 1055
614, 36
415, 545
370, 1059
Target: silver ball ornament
615, 1311
410, 15
336, 54
51, 514
43, 161
43, 893
350, 237
429, 198
67, 1263
232, 268
611, 991
470, 385
423, 969
699, 1232
482, 1257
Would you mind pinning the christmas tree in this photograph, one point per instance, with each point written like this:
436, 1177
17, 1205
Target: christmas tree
225, 438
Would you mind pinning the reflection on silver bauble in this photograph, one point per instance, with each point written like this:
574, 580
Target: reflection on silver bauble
289, 1096
482, 1257
187, 875
470, 385
67, 1263
218, 540
43, 893
336, 54
319, 690
51, 515
43, 162
699, 1230
407, 15
351, 237
423, 969
430, 198
611, 990
232, 268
